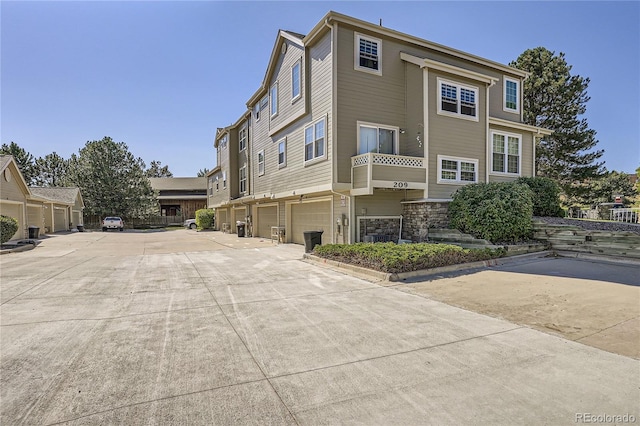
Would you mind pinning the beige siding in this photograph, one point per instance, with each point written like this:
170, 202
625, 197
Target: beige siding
288, 109
383, 202
341, 208
527, 155
360, 177
317, 76
367, 97
12, 190
496, 100
394, 173
455, 137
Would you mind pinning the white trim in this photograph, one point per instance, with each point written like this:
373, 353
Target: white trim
274, 86
244, 128
279, 142
299, 95
261, 153
506, 153
356, 53
515, 110
458, 86
395, 129
450, 69
519, 126
425, 129
322, 157
459, 160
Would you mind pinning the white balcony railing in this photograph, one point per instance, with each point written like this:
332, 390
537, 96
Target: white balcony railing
629, 215
386, 160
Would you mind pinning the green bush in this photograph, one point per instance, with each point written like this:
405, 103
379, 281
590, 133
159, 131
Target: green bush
500, 212
545, 196
205, 218
393, 258
8, 227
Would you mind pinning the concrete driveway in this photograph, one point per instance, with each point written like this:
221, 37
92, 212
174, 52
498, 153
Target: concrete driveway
186, 327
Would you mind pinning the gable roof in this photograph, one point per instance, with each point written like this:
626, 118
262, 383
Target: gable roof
64, 195
179, 183
8, 162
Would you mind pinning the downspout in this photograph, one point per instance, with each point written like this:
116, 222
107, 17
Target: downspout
487, 162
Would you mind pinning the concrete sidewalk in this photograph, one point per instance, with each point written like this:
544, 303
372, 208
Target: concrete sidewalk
187, 327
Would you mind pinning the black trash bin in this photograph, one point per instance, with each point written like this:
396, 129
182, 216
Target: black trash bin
34, 231
312, 239
80, 228
240, 227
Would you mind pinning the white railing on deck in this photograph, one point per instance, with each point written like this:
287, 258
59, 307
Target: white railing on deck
630, 215
386, 160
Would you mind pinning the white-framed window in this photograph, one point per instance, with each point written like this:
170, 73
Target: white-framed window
511, 96
368, 54
315, 141
261, 163
261, 106
217, 183
457, 100
224, 140
242, 136
210, 185
296, 82
243, 179
274, 99
506, 153
457, 170
224, 180
282, 153
377, 138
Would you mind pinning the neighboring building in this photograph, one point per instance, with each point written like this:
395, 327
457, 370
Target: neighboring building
364, 132
179, 198
62, 207
48, 209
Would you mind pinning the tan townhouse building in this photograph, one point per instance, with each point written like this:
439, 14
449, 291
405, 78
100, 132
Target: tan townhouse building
365, 133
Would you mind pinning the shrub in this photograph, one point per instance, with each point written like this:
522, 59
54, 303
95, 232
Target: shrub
205, 218
393, 258
500, 212
8, 227
545, 196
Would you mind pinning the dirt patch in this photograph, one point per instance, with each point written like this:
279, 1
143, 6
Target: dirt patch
601, 314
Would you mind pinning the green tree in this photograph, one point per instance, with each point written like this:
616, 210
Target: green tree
51, 170
112, 180
555, 99
611, 185
157, 170
24, 160
203, 172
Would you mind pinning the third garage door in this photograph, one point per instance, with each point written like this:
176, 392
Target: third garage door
311, 216
267, 217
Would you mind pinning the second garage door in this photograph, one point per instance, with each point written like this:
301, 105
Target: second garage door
314, 216
267, 217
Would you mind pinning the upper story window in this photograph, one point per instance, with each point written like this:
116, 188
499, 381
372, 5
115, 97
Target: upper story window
314, 141
242, 136
274, 99
511, 95
368, 54
505, 153
457, 170
261, 106
282, 153
296, 85
224, 140
457, 100
224, 180
243, 179
217, 183
261, 163
375, 138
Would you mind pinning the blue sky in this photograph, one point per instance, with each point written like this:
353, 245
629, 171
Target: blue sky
162, 76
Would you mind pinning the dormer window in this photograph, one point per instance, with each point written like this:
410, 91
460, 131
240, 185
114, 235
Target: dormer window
368, 54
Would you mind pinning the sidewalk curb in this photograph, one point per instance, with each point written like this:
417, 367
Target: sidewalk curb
19, 248
395, 277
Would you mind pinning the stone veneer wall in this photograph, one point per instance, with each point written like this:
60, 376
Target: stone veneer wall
419, 217
387, 227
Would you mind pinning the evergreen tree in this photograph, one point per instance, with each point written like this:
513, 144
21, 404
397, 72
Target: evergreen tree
51, 170
157, 170
203, 172
611, 185
112, 180
555, 99
23, 159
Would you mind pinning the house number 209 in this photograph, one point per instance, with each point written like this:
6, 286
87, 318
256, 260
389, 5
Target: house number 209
400, 185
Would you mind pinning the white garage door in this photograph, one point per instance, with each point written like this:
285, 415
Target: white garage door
267, 217
59, 220
221, 218
314, 216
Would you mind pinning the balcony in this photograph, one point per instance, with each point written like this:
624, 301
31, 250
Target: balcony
373, 170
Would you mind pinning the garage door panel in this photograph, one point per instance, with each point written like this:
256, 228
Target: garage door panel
267, 217
59, 218
315, 216
221, 218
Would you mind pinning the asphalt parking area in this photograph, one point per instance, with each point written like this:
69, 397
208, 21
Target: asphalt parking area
206, 328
